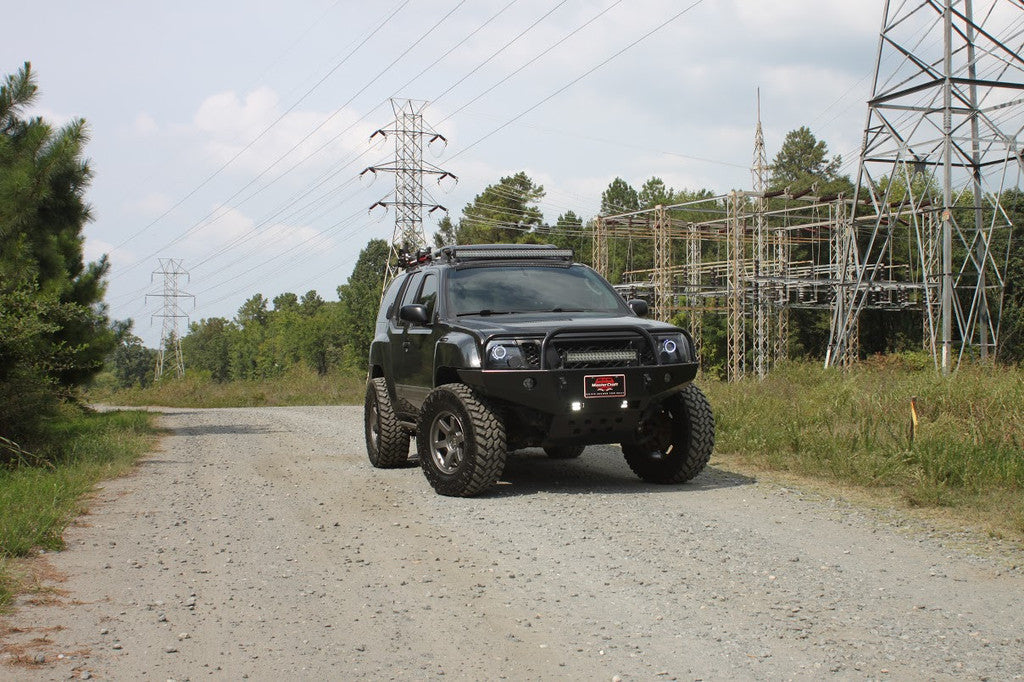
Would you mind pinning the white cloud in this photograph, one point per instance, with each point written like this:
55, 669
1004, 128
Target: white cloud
248, 242
799, 18
93, 249
145, 126
151, 205
55, 119
258, 132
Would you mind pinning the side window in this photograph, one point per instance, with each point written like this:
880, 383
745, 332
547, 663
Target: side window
387, 304
428, 293
412, 285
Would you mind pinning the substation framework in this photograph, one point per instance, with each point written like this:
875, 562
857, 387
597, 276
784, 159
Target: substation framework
925, 229
751, 256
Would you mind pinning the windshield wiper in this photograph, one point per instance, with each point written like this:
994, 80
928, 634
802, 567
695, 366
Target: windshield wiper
568, 310
487, 311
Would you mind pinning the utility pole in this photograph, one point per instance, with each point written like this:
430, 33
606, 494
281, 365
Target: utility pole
172, 271
409, 197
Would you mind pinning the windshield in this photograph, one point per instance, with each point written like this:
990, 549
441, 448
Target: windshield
528, 289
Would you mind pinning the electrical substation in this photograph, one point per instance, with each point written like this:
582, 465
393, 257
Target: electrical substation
924, 230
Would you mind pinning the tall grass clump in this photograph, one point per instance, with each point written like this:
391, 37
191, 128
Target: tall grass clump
854, 427
299, 385
42, 490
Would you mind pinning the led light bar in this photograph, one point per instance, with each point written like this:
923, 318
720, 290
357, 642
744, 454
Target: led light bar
514, 251
600, 355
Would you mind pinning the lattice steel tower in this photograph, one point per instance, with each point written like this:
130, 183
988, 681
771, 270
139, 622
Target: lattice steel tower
762, 259
409, 197
172, 270
940, 146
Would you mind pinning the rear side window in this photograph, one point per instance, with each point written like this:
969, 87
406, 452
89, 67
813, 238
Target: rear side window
388, 303
412, 287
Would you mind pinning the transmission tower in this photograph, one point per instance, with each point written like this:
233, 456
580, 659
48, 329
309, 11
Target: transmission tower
939, 148
172, 271
762, 259
409, 197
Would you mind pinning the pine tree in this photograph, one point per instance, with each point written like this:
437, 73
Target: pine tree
54, 325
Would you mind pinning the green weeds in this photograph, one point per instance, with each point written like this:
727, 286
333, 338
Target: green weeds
854, 428
73, 453
298, 386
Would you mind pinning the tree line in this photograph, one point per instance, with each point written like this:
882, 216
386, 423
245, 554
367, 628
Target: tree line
56, 334
262, 341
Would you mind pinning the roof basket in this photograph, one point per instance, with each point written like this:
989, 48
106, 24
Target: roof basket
469, 252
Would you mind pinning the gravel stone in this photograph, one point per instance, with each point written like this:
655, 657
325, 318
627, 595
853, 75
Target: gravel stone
565, 565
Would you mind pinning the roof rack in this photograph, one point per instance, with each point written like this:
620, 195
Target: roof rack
469, 252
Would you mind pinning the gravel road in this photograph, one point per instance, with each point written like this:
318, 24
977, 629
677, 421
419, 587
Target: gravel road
259, 543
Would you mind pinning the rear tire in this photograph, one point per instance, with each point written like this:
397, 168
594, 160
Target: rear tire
563, 451
674, 443
461, 442
387, 444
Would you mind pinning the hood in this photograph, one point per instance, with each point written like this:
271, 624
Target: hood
538, 324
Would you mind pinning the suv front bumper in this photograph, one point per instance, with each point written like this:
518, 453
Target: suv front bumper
569, 402
568, 391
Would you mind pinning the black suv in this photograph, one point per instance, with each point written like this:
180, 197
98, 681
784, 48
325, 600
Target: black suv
484, 349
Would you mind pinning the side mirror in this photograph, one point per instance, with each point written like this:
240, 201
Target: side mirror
638, 306
415, 313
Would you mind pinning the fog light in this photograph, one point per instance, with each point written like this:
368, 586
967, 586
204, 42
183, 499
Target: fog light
625, 404
576, 406
529, 383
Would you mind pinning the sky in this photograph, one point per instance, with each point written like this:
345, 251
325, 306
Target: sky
231, 135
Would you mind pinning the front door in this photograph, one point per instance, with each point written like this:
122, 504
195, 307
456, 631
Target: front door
414, 345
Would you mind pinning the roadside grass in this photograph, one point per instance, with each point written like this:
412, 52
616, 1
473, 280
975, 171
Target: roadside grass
298, 386
853, 428
37, 500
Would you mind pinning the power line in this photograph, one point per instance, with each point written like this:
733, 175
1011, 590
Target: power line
577, 79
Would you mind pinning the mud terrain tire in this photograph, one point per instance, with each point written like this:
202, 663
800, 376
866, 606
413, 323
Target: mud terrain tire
676, 441
387, 444
461, 442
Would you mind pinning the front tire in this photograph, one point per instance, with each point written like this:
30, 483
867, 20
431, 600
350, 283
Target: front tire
387, 444
461, 442
674, 443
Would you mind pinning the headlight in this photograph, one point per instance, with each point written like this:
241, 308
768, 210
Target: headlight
672, 348
504, 355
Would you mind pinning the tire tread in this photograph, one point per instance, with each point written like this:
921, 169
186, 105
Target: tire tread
392, 441
699, 444
488, 440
